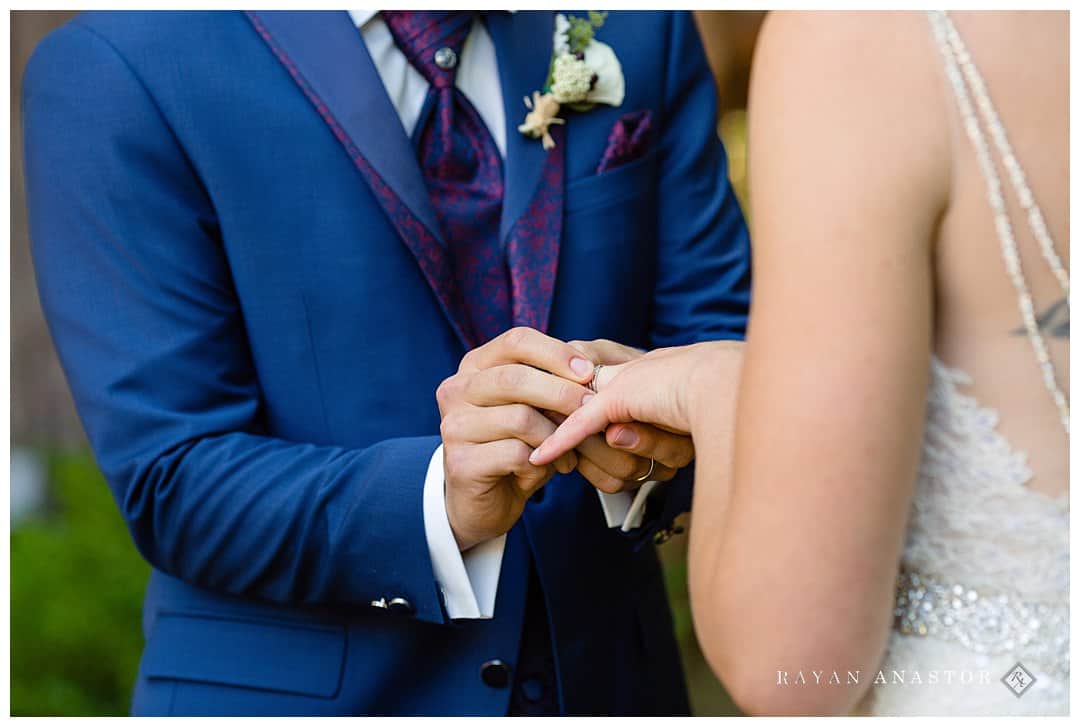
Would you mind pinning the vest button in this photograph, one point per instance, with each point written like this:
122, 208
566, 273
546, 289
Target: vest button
495, 673
445, 58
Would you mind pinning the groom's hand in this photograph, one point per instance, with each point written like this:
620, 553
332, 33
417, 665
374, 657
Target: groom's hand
617, 459
491, 422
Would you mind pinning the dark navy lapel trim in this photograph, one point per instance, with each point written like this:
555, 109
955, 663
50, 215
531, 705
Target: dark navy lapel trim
329, 53
523, 45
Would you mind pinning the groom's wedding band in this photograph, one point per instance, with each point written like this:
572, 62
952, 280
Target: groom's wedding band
591, 386
647, 475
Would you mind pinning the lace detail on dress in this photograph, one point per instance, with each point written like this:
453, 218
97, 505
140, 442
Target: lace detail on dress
974, 520
985, 569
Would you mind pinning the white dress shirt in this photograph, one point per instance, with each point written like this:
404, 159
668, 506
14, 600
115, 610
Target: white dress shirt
468, 580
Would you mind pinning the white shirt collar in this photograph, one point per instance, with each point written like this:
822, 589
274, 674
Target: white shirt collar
361, 18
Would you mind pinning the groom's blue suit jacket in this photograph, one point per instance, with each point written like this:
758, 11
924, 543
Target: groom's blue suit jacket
254, 352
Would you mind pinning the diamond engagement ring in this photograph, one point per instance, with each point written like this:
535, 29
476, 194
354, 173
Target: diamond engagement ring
591, 386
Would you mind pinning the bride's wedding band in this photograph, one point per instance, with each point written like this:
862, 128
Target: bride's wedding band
591, 386
647, 475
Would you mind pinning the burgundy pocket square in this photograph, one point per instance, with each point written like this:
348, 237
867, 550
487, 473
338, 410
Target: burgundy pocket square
629, 140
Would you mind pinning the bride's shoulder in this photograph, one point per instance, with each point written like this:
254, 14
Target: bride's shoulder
873, 50
855, 95
845, 27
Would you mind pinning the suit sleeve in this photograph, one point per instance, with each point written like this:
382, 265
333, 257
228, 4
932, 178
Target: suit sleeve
137, 292
703, 263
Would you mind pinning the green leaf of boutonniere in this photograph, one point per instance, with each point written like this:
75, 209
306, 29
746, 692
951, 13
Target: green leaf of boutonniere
581, 30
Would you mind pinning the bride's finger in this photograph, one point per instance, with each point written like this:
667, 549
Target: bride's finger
588, 420
606, 374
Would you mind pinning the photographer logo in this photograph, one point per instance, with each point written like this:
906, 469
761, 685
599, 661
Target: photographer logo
1018, 680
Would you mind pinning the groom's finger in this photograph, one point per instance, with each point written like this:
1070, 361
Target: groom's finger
673, 450
519, 384
510, 456
603, 479
590, 419
479, 424
620, 465
607, 352
600, 479
529, 346
482, 424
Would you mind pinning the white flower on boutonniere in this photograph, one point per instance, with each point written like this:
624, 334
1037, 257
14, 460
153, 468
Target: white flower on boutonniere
582, 72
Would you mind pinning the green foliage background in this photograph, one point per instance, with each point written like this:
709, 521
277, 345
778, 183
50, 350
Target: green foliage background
76, 599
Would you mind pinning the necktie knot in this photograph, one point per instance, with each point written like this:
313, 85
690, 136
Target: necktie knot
431, 40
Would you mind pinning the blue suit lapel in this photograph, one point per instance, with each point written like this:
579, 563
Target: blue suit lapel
531, 226
329, 52
523, 44
325, 55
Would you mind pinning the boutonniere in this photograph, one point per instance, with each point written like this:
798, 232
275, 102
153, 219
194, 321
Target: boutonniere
582, 73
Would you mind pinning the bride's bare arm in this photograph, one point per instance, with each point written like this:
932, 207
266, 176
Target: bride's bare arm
793, 567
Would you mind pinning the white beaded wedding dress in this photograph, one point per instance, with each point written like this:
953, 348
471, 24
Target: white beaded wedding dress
982, 607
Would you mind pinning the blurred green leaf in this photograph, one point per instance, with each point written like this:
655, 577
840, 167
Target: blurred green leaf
76, 593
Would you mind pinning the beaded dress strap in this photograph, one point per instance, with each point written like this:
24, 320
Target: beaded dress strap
962, 73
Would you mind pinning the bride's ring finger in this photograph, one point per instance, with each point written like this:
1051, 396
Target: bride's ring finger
595, 379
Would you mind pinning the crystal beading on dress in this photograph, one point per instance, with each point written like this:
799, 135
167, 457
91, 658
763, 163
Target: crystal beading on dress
998, 622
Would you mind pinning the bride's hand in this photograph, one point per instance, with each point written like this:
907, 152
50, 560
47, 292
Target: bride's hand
664, 388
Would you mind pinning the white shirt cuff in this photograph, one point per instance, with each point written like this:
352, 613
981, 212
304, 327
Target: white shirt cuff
623, 510
615, 506
470, 580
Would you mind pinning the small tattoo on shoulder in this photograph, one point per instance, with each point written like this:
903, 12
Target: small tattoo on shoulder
1054, 321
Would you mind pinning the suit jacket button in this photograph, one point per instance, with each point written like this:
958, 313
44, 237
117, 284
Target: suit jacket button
495, 673
400, 606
